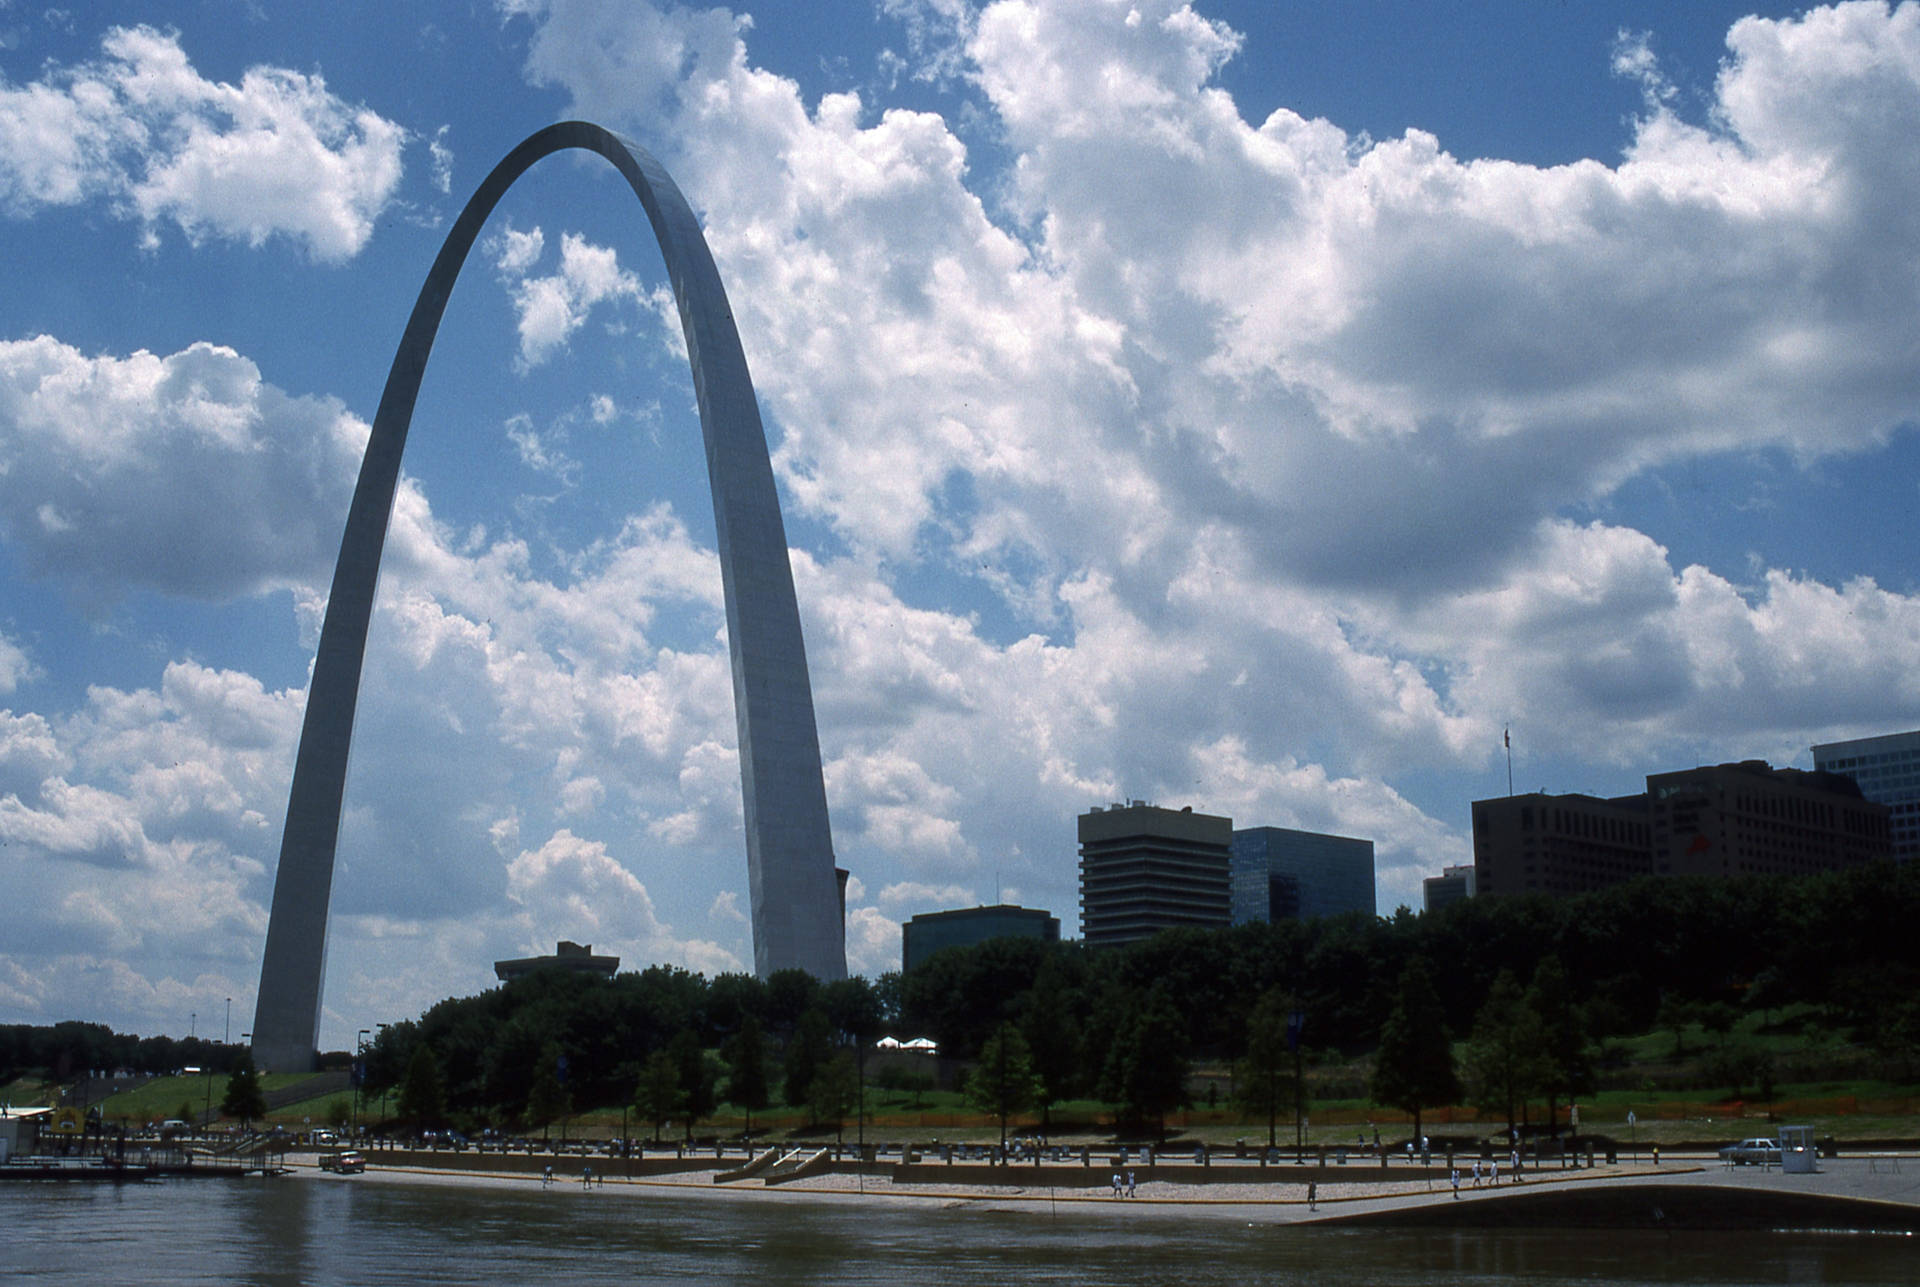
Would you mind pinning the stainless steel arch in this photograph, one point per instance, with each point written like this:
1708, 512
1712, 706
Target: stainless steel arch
790, 868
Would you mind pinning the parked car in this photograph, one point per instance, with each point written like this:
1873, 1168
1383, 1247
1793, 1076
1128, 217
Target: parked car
350, 1162
1755, 1152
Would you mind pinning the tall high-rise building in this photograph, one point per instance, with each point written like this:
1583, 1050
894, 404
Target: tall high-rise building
1144, 869
1887, 769
1281, 874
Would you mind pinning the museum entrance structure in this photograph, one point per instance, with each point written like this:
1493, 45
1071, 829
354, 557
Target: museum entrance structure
792, 887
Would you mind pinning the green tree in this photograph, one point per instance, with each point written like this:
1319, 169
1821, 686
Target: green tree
695, 1076
547, 1096
1676, 1015
657, 1097
1053, 1039
1413, 1069
1002, 1082
1566, 1052
243, 1098
423, 1091
1263, 1083
1506, 1056
745, 1056
832, 1091
1146, 1071
810, 1046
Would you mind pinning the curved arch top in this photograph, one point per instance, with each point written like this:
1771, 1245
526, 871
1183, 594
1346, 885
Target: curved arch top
790, 869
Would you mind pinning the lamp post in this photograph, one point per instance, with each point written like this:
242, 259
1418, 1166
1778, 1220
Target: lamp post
384, 1089
359, 1075
226, 1030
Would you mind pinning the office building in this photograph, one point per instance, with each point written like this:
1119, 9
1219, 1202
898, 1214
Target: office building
1745, 819
930, 932
1749, 819
1558, 844
1454, 884
1144, 869
1281, 874
1887, 771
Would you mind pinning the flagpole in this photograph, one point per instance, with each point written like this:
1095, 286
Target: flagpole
1507, 737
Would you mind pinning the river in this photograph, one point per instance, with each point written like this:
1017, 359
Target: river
309, 1231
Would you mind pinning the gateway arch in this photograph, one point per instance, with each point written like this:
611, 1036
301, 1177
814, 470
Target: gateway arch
790, 867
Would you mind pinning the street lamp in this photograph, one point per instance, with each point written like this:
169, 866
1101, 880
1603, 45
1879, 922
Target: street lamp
359, 1076
383, 1090
226, 1032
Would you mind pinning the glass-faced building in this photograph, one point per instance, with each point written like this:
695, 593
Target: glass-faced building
1280, 873
929, 932
1887, 770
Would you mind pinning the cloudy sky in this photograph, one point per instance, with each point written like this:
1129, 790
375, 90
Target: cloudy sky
1253, 407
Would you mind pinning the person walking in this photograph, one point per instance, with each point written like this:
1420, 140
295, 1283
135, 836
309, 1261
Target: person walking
1130, 1186
1454, 1175
546, 1179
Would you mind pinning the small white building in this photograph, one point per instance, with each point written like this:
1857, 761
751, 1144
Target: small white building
20, 1130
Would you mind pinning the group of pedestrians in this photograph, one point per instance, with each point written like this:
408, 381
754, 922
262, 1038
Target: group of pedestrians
586, 1177
1123, 1184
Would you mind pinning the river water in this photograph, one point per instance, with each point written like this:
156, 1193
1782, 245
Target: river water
306, 1231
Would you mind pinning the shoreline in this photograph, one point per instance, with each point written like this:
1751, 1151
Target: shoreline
1857, 1196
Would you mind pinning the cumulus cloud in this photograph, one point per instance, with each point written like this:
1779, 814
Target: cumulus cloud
1277, 498
275, 155
187, 473
553, 307
1247, 462
16, 667
572, 888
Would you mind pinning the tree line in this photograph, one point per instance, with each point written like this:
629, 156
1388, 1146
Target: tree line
1528, 983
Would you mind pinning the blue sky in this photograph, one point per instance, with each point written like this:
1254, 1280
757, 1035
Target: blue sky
1257, 407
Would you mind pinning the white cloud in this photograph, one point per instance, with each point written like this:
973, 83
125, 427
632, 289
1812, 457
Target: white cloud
442, 160
552, 308
873, 942
275, 155
907, 896
16, 667
1272, 499
572, 888
188, 473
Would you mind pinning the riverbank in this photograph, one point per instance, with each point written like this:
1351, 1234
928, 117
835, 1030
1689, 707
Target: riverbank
1879, 1193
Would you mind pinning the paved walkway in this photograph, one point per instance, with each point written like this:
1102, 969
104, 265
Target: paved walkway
1852, 1192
